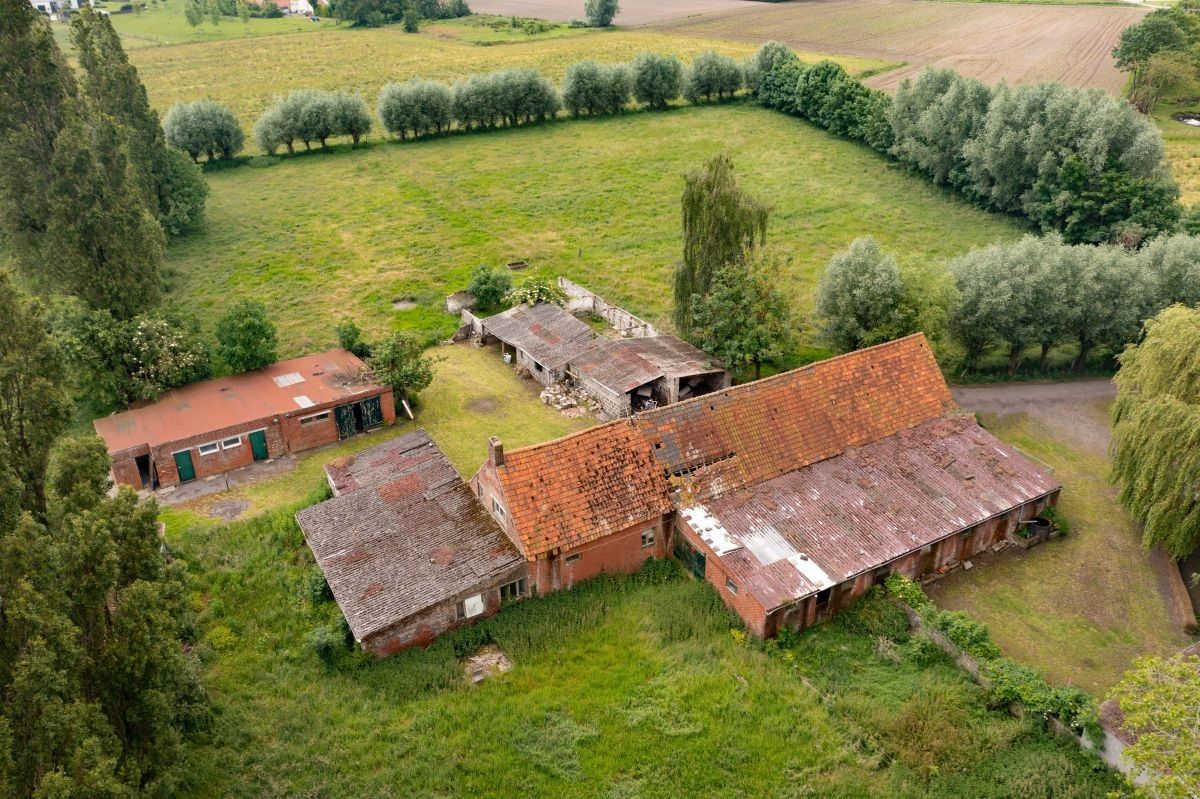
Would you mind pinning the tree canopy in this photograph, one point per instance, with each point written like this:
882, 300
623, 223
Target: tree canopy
399, 361
246, 338
745, 319
1156, 431
861, 298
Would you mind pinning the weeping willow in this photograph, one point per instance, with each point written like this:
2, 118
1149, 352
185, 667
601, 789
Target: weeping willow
1156, 431
722, 224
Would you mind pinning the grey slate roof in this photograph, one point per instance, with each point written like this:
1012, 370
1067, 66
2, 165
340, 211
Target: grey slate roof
403, 534
624, 364
548, 333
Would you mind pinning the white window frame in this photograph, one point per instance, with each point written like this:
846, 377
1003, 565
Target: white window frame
522, 590
237, 442
497, 509
312, 418
649, 536
216, 447
731, 586
461, 610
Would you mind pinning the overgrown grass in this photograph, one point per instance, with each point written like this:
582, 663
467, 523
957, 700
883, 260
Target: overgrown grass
1079, 608
473, 396
1183, 143
620, 687
344, 234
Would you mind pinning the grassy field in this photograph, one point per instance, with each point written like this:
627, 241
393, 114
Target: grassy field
247, 73
1082, 607
474, 395
347, 234
1183, 146
620, 688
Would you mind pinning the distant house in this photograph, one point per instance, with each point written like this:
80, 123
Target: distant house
539, 338
632, 374
797, 493
406, 547
52, 7
211, 427
589, 503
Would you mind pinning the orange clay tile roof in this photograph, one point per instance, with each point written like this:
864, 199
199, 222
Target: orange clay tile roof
757, 431
568, 492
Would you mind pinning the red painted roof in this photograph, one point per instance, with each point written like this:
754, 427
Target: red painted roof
576, 489
287, 387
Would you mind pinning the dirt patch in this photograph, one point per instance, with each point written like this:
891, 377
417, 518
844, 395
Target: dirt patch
404, 305
228, 509
1017, 43
1076, 410
482, 405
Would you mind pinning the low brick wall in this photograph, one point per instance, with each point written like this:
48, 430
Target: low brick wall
580, 299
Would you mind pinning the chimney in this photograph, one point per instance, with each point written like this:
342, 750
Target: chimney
495, 452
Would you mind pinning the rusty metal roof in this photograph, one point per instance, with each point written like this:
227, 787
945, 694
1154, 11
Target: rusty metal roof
622, 365
548, 333
286, 387
827, 522
756, 431
403, 534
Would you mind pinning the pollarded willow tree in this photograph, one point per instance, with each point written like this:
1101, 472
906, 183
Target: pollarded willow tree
1156, 430
722, 224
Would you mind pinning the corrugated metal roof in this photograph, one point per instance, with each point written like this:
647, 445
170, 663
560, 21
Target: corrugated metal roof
855, 512
622, 365
238, 399
548, 333
404, 533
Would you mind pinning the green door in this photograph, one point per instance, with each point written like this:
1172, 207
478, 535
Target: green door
183, 464
345, 420
372, 412
258, 443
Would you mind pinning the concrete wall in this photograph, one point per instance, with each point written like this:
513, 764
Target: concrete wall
421, 628
581, 300
614, 406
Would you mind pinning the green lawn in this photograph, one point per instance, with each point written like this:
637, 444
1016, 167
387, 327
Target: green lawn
1183, 146
348, 233
474, 395
1079, 608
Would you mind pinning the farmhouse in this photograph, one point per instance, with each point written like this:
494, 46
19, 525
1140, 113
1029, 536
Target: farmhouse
633, 374
217, 425
797, 493
407, 549
588, 503
539, 338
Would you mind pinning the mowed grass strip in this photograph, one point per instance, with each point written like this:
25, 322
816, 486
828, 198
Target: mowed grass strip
1079, 608
248, 73
346, 234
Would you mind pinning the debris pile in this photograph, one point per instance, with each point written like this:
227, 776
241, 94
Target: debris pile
572, 402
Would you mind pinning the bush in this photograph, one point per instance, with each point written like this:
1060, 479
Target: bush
968, 634
186, 192
712, 75
246, 337
592, 88
309, 115
1013, 682
767, 58
908, 592
418, 107
475, 103
489, 286
657, 79
875, 615
600, 13
328, 642
412, 22
203, 128
350, 338
317, 587
351, 116
535, 290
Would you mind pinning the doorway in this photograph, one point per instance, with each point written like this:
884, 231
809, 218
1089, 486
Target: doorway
258, 445
183, 464
147, 472
358, 417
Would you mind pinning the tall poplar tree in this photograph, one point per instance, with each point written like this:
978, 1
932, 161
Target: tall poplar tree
722, 224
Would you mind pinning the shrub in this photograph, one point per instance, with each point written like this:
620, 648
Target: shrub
600, 13
328, 642
777, 89
522, 95
876, 616
270, 131
351, 115
317, 587
908, 592
418, 107
1013, 682
489, 286
712, 75
246, 337
970, 635
657, 79
759, 65
350, 338
535, 290
591, 88
475, 103
203, 128
186, 191
412, 22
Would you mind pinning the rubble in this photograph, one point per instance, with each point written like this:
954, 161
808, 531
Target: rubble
571, 402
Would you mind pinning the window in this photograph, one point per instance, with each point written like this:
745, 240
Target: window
471, 606
573, 558
316, 418
497, 508
209, 449
537, 366
514, 590
648, 537
479, 489
230, 443
730, 586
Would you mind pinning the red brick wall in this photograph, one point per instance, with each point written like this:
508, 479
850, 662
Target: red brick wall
620, 553
746, 606
421, 628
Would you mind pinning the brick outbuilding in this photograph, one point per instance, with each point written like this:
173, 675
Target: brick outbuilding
216, 425
539, 338
588, 503
407, 549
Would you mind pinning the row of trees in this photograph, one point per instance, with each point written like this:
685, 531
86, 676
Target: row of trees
373, 13
310, 115
1071, 160
99, 693
88, 185
1032, 294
